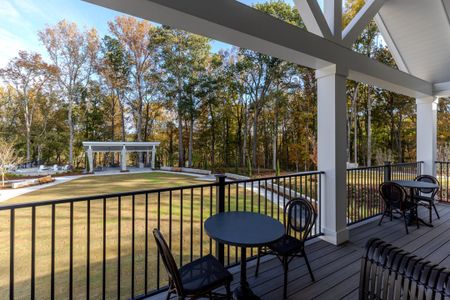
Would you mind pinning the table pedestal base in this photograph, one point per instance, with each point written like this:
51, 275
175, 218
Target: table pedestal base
242, 293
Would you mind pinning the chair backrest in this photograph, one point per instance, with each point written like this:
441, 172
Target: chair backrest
168, 261
301, 217
429, 179
393, 194
388, 272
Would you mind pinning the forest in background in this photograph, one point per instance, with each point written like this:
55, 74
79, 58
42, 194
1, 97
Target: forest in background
235, 109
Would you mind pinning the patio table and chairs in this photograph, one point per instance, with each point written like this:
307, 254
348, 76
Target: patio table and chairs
398, 200
244, 230
247, 229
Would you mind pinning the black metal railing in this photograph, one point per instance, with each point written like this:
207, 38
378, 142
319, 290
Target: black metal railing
443, 175
101, 246
363, 197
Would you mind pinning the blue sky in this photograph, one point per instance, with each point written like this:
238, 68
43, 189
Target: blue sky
20, 20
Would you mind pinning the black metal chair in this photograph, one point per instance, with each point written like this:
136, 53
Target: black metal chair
388, 272
196, 279
396, 200
301, 217
426, 197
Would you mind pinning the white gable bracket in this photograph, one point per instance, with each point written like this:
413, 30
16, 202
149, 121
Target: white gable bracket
313, 18
360, 21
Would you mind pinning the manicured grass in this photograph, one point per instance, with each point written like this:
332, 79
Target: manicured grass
180, 212
107, 184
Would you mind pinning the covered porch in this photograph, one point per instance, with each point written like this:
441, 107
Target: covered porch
337, 269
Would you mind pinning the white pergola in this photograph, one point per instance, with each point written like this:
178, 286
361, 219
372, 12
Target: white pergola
417, 33
123, 148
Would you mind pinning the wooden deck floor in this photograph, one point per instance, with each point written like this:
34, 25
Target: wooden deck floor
336, 268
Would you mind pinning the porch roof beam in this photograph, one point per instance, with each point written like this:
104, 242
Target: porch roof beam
235, 23
360, 21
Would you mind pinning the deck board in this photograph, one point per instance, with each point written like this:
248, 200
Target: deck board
336, 268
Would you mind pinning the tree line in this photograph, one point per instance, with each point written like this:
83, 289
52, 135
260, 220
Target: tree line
229, 109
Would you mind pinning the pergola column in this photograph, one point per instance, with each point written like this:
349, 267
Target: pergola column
123, 160
427, 133
332, 107
90, 156
153, 157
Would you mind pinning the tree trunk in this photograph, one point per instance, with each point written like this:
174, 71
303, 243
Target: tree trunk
122, 119
369, 127
355, 124
191, 141
180, 140
70, 132
244, 147
255, 138
275, 140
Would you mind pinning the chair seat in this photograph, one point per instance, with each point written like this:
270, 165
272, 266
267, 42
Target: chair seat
404, 206
203, 274
423, 198
287, 245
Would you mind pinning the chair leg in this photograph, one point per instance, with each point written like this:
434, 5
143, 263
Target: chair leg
169, 292
430, 210
382, 217
257, 262
435, 210
390, 213
417, 216
308, 266
286, 270
228, 289
406, 222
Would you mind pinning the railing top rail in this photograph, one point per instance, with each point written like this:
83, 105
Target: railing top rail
102, 196
386, 165
276, 177
442, 162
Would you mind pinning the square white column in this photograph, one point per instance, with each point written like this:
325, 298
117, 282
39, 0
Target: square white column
90, 155
426, 133
332, 139
123, 160
153, 157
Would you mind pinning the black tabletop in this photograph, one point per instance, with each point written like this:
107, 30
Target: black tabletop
245, 229
416, 184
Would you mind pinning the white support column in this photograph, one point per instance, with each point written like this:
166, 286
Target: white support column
427, 133
123, 159
332, 106
147, 158
90, 155
153, 157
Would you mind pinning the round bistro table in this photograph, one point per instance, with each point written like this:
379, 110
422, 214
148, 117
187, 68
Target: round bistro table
243, 229
412, 185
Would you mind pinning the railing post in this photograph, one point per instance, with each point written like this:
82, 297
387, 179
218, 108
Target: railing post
387, 171
220, 207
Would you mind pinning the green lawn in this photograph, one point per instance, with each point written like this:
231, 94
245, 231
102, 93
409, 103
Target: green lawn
184, 214
107, 184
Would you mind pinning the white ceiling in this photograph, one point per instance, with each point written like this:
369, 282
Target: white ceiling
420, 30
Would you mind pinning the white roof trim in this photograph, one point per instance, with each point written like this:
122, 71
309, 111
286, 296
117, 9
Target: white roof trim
441, 89
238, 24
391, 44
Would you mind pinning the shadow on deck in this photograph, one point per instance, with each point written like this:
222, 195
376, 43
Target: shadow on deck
336, 268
